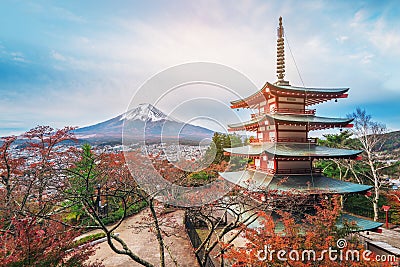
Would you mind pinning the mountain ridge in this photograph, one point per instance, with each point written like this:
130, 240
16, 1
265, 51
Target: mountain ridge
144, 123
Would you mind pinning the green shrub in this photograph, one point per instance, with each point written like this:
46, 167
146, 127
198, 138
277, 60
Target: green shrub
89, 238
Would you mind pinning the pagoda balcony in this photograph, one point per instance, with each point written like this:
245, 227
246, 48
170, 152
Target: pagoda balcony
293, 140
260, 169
294, 111
315, 171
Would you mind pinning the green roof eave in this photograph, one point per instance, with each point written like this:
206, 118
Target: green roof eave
246, 123
268, 87
304, 150
246, 99
309, 119
310, 90
360, 223
301, 119
310, 184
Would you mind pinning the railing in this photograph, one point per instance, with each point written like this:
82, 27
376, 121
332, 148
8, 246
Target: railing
196, 242
393, 215
294, 111
299, 171
316, 171
266, 170
286, 140
293, 140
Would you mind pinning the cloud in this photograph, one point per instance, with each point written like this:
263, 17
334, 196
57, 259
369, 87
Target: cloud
57, 56
342, 39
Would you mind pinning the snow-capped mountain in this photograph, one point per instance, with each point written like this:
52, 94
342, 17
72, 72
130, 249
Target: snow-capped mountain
143, 123
144, 112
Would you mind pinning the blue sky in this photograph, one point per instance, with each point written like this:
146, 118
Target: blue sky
79, 62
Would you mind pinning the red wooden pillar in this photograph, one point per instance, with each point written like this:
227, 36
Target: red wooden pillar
386, 209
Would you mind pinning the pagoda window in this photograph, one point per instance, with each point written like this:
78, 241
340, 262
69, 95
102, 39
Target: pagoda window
263, 164
271, 101
260, 136
271, 165
291, 99
257, 163
262, 128
272, 108
272, 136
262, 106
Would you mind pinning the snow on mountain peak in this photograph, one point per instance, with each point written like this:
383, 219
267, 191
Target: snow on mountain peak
144, 112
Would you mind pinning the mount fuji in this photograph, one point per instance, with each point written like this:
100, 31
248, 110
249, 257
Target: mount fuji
145, 123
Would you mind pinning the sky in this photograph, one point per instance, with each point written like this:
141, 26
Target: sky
76, 63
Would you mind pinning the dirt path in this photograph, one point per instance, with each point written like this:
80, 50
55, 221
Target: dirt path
144, 243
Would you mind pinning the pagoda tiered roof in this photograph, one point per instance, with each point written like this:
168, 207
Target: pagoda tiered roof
313, 122
245, 211
256, 181
289, 150
312, 95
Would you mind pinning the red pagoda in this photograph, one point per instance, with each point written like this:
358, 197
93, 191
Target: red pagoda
282, 149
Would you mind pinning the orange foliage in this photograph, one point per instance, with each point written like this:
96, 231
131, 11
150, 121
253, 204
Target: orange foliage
296, 244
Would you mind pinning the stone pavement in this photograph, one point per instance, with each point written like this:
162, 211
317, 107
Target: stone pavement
143, 242
385, 243
389, 236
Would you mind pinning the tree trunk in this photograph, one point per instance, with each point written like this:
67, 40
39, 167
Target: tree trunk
376, 188
158, 233
375, 202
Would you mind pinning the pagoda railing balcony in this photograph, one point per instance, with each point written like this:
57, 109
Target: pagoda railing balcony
294, 111
262, 169
293, 140
315, 171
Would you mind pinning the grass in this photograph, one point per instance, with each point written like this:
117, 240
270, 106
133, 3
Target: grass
89, 238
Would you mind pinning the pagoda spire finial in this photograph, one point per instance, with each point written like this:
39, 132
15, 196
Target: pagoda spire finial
280, 59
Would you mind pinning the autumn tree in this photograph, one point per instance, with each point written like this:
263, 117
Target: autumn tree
285, 241
46, 180
11, 169
46, 157
26, 242
98, 178
220, 219
31, 228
